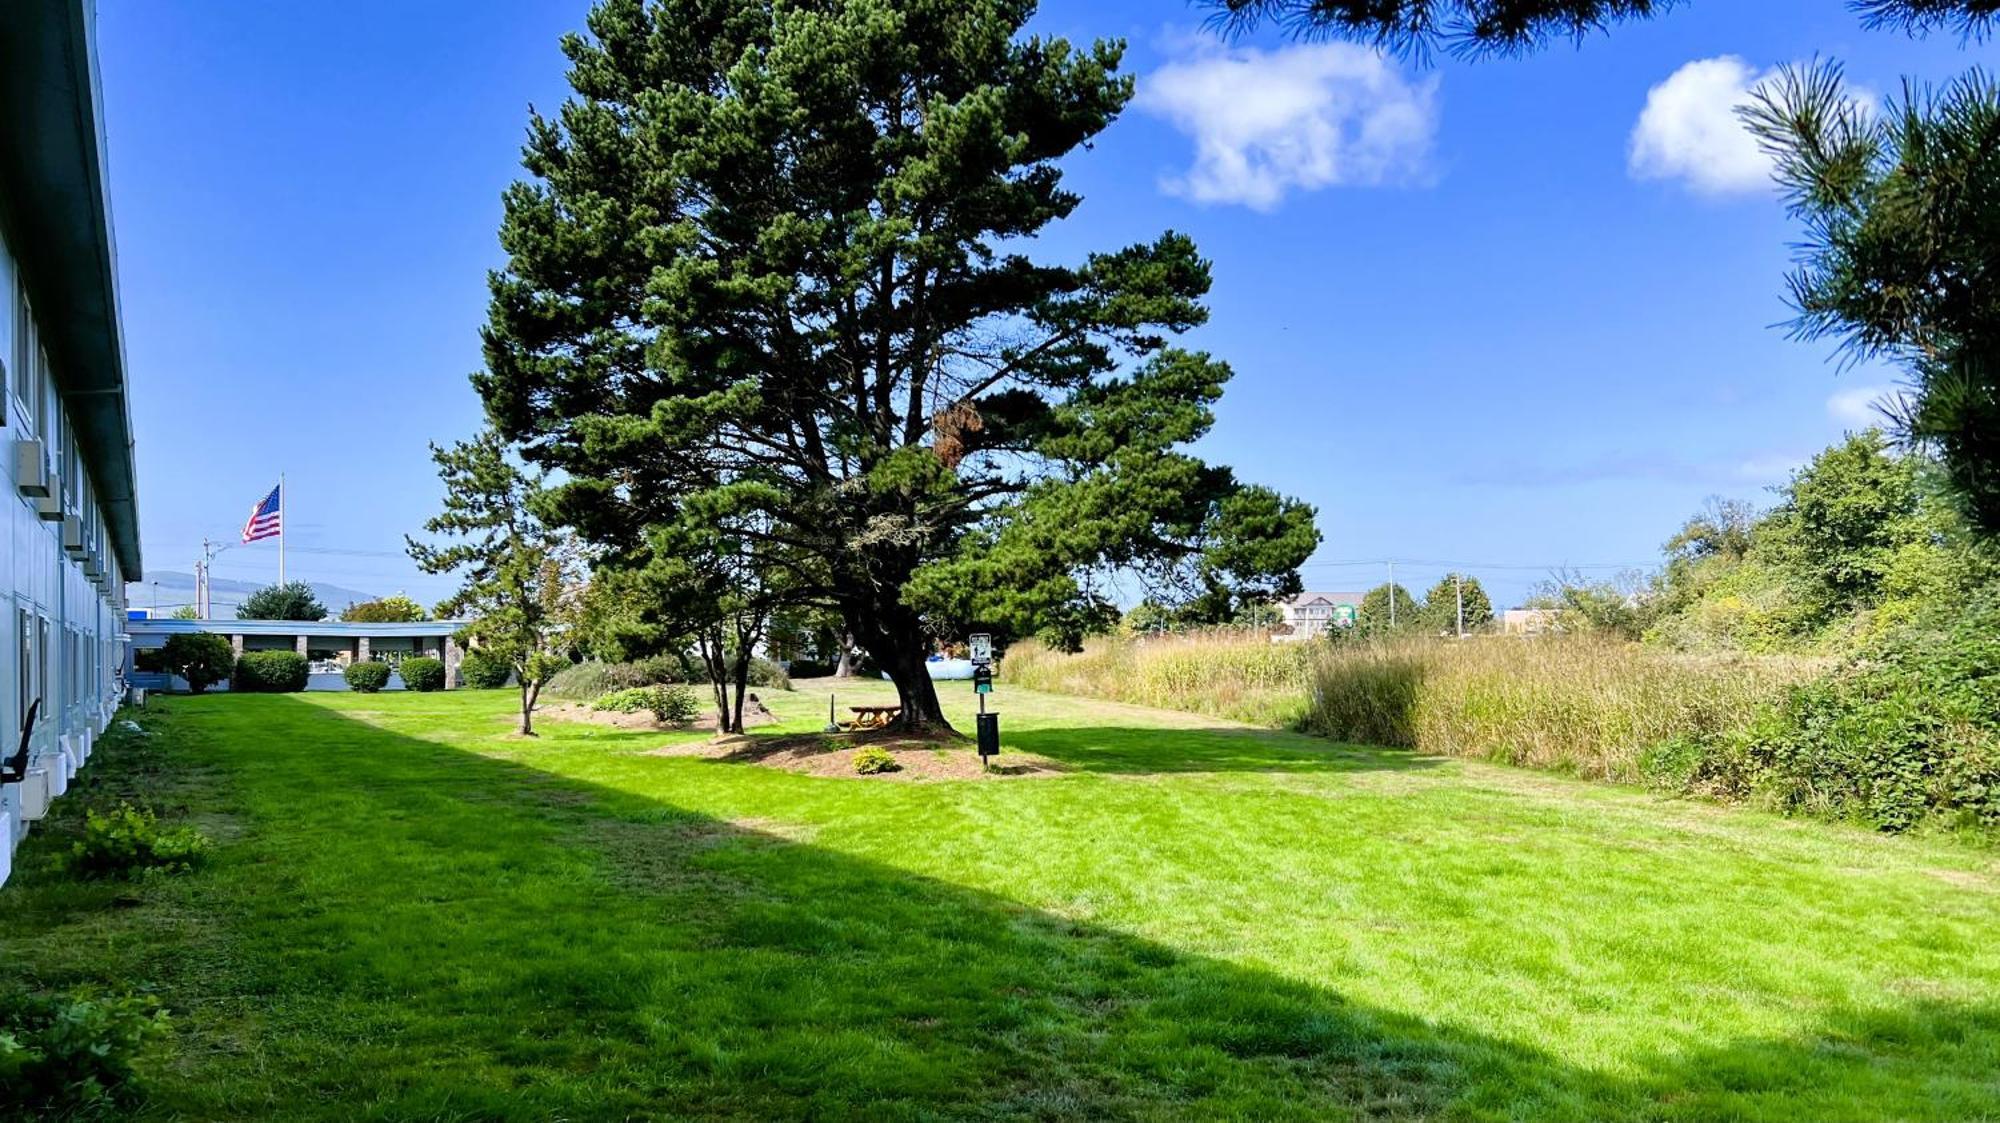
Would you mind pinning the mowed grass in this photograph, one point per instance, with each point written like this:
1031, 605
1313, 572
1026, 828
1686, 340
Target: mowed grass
414, 915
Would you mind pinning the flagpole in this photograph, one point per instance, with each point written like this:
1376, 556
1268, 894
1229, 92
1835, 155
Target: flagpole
281, 528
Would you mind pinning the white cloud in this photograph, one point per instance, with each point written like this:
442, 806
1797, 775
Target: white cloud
1303, 117
1861, 406
1689, 129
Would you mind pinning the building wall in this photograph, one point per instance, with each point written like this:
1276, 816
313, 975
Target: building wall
61, 630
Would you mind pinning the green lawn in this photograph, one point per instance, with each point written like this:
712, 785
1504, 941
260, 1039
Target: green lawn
414, 915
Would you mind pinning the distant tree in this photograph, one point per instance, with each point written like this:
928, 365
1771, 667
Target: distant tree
1148, 616
202, 658
1721, 529
1900, 253
1377, 614
1620, 608
1441, 605
1478, 27
185, 612
293, 600
397, 609
773, 261
1258, 614
520, 577
1845, 518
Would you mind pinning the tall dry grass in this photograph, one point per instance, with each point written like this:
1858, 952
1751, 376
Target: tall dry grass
1573, 704
1234, 675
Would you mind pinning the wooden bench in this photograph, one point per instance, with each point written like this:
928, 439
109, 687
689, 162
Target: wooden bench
873, 717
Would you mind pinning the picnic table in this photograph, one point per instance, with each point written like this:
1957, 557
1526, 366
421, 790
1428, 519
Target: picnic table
873, 717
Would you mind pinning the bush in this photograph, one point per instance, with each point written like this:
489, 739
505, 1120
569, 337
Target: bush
202, 658
767, 673
421, 672
270, 672
872, 759
366, 676
128, 842
483, 671
671, 704
64, 1055
1903, 734
585, 682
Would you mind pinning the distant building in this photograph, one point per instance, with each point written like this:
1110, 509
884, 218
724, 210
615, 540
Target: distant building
1311, 614
328, 645
69, 523
1529, 621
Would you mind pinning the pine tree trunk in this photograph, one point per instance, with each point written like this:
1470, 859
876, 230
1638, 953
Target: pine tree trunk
894, 637
845, 667
529, 692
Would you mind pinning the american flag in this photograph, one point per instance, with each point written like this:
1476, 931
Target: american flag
266, 521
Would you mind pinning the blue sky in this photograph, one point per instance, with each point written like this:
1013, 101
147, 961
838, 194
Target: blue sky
1478, 313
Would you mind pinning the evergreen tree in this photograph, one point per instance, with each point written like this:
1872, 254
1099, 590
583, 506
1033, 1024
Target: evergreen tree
1900, 209
397, 609
521, 577
767, 276
293, 600
1476, 27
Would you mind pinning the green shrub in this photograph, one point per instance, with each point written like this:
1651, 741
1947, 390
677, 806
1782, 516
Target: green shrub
270, 672
1905, 733
128, 842
366, 676
483, 671
584, 682
421, 672
62, 1056
767, 673
202, 658
871, 759
672, 704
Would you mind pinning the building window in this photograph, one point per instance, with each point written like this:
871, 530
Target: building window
24, 627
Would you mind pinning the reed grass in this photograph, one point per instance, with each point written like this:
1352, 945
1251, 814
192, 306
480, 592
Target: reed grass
1577, 705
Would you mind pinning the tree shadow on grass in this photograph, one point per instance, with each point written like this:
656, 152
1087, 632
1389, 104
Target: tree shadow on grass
429, 933
1130, 750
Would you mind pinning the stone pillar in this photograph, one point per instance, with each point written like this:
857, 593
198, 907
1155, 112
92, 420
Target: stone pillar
361, 649
236, 644
451, 659
300, 643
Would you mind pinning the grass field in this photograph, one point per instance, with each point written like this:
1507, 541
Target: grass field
415, 916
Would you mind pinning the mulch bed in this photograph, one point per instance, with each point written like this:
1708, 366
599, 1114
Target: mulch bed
754, 715
918, 757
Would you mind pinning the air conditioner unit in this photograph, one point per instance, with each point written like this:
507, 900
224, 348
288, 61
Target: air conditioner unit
49, 508
33, 473
94, 570
34, 794
72, 535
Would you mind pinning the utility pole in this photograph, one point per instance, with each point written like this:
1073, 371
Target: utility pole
1392, 596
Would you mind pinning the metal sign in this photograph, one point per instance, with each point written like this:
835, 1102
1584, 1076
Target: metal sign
1343, 616
982, 648
982, 679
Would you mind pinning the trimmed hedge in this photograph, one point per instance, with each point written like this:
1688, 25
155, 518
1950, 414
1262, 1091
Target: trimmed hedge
482, 671
269, 672
366, 676
421, 672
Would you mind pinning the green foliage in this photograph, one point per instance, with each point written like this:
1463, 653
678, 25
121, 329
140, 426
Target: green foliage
128, 842
482, 671
366, 676
422, 673
1899, 208
293, 600
1441, 611
185, 612
588, 680
1610, 609
1906, 732
674, 704
1242, 677
771, 266
767, 673
871, 760
397, 609
1376, 617
1509, 27
202, 658
74, 1055
270, 672
518, 574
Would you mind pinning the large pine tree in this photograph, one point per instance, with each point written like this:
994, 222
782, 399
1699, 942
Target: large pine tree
770, 274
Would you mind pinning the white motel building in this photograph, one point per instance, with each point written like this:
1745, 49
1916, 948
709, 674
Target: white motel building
69, 524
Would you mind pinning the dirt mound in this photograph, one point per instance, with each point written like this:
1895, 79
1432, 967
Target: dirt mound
924, 757
754, 714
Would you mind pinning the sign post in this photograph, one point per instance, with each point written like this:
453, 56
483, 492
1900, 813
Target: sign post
981, 645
